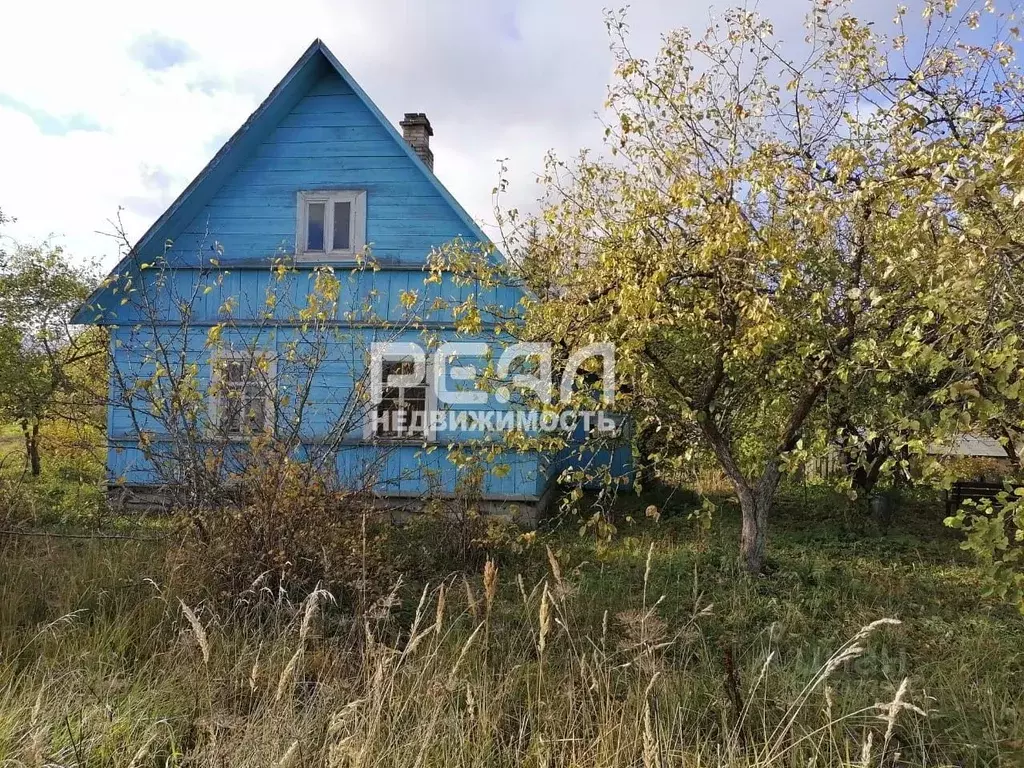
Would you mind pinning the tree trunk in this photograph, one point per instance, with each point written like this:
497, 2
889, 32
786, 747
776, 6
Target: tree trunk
32, 446
864, 464
755, 498
755, 505
754, 534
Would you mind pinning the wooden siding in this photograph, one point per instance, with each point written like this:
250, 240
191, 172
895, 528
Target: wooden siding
332, 377
329, 402
328, 140
406, 471
245, 295
317, 133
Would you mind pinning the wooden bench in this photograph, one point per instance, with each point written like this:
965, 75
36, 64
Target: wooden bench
961, 491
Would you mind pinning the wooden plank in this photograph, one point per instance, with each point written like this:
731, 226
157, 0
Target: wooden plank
330, 103
282, 224
322, 177
225, 246
282, 191
339, 164
345, 119
293, 146
330, 84
285, 134
377, 209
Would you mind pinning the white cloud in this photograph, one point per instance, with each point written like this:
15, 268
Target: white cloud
510, 78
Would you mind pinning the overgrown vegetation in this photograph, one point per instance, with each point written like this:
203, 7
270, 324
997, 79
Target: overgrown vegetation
290, 528
827, 269
69, 489
797, 247
654, 650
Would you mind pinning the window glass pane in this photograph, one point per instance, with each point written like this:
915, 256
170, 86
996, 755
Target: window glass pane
315, 226
242, 399
255, 409
235, 373
230, 413
416, 396
402, 410
342, 226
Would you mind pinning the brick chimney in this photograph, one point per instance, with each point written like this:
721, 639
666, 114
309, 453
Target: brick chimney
417, 132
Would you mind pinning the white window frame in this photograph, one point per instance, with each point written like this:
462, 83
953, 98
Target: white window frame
216, 394
430, 406
357, 223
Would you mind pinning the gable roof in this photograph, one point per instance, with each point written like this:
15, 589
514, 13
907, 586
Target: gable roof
310, 67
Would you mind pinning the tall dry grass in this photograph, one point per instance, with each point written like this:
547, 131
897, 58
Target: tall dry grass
103, 664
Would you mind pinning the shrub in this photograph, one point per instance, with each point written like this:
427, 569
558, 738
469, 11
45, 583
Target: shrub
290, 531
68, 491
14, 502
443, 539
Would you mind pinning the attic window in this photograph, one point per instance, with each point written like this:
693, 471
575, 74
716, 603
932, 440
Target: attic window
330, 224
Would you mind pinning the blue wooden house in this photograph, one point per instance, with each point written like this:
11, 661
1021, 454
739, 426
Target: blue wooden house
316, 178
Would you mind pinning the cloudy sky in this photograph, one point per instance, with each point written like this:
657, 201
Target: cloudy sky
114, 104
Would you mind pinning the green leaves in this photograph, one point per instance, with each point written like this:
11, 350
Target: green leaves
772, 261
47, 365
994, 533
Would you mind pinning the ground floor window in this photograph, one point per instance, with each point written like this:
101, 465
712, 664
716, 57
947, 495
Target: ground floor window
242, 394
402, 411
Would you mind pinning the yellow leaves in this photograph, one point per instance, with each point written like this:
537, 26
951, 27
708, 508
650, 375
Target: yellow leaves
326, 284
966, 389
408, 299
467, 317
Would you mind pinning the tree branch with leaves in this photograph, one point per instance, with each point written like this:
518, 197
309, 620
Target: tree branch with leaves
770, 222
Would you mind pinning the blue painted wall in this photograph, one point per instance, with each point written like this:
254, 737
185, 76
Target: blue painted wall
219, 241
329, 140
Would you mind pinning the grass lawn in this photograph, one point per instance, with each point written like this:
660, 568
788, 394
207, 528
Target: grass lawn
67, 491
12, 444
650, 650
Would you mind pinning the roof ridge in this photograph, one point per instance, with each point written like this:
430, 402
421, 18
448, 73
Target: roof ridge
157, 231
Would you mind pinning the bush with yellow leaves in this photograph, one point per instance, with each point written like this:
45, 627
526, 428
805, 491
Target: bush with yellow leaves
289, 531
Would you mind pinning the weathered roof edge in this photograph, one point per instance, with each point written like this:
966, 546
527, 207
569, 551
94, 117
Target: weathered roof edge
157, 233
474, 228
